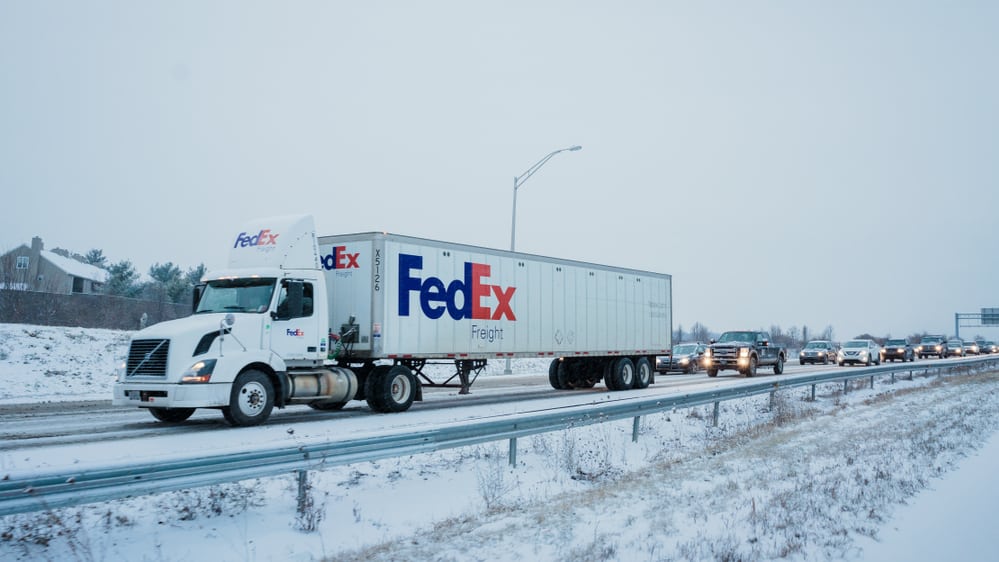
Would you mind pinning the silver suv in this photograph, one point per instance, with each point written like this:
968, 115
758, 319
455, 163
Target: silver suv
859, 351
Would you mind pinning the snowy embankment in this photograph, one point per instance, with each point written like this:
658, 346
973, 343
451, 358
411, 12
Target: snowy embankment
804, 480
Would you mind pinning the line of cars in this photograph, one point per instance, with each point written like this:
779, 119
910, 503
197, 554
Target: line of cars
942, 347
689, 357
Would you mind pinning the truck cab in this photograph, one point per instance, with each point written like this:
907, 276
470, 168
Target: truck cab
258, 337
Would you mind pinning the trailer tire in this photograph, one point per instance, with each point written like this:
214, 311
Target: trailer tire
171, 415
390, 389
643, 373
553, 374
621, 375
251, 399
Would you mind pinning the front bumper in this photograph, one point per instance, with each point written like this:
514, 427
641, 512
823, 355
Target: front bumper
682, 364
813, 357
723, 363
163, 395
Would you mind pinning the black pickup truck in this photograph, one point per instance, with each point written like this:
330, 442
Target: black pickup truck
744, 352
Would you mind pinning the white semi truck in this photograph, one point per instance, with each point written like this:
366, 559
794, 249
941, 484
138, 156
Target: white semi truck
297, 319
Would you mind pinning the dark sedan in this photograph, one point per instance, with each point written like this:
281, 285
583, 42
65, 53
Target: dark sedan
686, 357
898, 350
817, 351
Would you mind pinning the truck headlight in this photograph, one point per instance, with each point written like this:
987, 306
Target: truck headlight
743, 352
199, 372
119, 371
707, 353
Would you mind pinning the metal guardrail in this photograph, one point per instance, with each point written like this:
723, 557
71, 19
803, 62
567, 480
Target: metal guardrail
42, 491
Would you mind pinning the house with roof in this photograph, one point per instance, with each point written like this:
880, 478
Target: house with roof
37, 269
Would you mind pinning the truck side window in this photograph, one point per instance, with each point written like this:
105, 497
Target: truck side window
295, 300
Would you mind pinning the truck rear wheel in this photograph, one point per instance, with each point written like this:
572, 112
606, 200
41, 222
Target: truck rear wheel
621, 374
390, 389
779, 366
251, 399
643, 373
171, 415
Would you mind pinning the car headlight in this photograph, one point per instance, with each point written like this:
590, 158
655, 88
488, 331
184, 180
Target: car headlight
685, 360
199, 372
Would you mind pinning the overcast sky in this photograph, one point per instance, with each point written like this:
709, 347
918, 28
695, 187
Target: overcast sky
789, 163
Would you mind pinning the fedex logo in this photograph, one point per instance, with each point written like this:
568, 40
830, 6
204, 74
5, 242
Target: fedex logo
297, 332
263, 238
339, 258
436, 298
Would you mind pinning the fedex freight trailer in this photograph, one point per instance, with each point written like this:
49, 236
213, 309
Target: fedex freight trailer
323, 321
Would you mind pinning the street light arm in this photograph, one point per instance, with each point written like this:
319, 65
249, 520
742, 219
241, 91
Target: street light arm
530, 171
537, 166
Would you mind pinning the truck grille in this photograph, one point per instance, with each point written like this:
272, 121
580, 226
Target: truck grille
148, 358
725, 352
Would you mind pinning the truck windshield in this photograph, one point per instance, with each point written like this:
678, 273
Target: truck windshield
738, 336
237, 295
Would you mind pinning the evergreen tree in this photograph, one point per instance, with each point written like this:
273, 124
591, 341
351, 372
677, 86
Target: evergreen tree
169, 283
96, 257
122, 280
194, 274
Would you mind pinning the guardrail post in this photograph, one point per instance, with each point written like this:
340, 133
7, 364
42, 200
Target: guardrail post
634, 429
770, 408
872, 382
846, 385
893, 377
303, 490
714, 416
513, 451
813, 393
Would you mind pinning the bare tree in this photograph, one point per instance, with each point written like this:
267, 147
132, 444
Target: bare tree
698, 332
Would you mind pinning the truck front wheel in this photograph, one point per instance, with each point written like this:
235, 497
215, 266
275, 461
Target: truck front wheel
171, 415
390, 389
251, 399
751, 369
712, 372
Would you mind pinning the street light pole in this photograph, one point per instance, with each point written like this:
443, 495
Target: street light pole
517, 182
